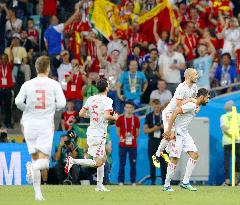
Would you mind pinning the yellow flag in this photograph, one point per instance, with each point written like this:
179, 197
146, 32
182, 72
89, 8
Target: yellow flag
234, 129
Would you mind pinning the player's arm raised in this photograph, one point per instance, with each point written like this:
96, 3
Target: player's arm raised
20, 99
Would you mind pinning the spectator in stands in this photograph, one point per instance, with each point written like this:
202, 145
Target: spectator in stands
225, 123
53, 37
231, 36
27, 44
162, 39
13, 25
133, 83
112, 71
66, 148
3, 19
153, 126
127, 130
162, 94
135, 37
136, 55
203, 64
64, 68
196, 19
152, 76
75, 80
90, 88
6, 88
68, 117
170, 65
189, 41
226, 73
33, 34
19, 58
3, 136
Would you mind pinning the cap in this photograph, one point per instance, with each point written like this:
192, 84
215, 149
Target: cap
228, 105
170, 43
16, 35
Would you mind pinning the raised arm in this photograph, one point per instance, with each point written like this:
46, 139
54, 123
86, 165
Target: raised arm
156, 36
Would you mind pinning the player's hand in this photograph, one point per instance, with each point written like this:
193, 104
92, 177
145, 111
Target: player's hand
115, 116
167, 134
121, 97
193, 100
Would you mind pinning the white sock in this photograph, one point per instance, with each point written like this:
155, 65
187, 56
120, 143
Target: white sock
36, 179
41, 164
161, 147
170, 172
100, 175
189, 169
85, 162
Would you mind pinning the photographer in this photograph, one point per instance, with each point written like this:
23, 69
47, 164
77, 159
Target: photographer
153, 126
3, 136
66, 148
75, 79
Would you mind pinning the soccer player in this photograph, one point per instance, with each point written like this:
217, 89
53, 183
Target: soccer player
181, 118
38, 99
99, 109
185, 92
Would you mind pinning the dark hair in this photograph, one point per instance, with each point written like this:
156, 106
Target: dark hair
129, 102
202, 92
226, 54
153, 49
156, 102
30, 19
132, 59
102, 85
161, 80
137, 45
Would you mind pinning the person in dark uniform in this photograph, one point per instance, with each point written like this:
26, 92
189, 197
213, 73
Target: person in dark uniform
153, 126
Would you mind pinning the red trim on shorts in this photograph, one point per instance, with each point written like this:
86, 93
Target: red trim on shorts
110, 110
85, 108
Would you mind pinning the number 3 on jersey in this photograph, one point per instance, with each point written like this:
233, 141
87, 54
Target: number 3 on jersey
41, 99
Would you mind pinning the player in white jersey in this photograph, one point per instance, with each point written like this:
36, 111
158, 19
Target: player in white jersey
38, 99
181, 118
185, 92
99, 109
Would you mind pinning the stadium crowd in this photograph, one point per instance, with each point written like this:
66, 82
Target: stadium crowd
140, 72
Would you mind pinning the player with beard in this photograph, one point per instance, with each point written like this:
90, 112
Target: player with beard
185, 92
181, 118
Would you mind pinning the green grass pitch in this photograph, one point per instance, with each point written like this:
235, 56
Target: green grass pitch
120, 195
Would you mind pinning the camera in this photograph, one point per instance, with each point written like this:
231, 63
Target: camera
67, 142
3, 136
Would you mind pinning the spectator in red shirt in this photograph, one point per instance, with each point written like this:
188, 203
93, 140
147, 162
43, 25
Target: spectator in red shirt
135, 37
75, 30
128, 130
196, 19
190, 41
33, 34
68, 117
75, 80
6, 86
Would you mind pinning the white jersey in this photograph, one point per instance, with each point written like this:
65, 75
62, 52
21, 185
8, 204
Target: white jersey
183, 92
96, 105
38, 99
183, 120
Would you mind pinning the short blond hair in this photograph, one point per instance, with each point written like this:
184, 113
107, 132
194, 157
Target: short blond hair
42, 64
188, 71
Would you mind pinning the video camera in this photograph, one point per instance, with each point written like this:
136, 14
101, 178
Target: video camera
3, 136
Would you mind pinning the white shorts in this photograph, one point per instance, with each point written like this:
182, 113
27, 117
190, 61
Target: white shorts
38, 138
183, 142
96, 146
165, 118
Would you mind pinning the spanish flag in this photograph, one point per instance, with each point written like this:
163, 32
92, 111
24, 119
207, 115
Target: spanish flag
166, 18
107, 16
